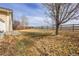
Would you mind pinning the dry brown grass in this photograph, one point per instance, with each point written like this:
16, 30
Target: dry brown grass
41, 42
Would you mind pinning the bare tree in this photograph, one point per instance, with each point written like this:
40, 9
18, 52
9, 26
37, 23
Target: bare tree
62, 12
24, 21
16, 24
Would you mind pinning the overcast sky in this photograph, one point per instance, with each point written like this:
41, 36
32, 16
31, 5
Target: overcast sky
34, 12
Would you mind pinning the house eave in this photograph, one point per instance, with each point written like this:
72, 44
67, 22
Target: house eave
6, 10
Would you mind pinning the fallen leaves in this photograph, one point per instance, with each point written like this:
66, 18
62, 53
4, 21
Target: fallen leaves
64, 44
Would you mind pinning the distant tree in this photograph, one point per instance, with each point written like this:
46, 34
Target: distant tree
24, 21
17, 25
62, 12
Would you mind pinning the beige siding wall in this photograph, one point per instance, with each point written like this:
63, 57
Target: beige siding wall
8, 21
3, 17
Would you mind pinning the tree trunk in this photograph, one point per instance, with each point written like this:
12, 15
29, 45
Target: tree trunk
73, 27
57, 29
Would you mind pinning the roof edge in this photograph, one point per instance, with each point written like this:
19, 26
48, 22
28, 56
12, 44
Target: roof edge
7, 9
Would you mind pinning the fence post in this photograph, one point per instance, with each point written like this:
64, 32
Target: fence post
73, 27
